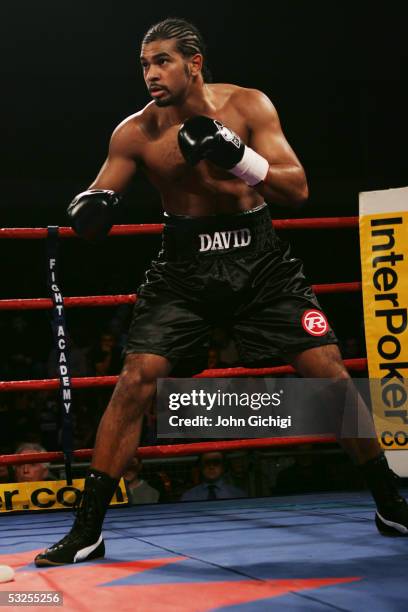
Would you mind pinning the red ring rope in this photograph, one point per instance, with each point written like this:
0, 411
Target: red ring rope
115, 300
69, 302
157, 228
176, 450
355, 365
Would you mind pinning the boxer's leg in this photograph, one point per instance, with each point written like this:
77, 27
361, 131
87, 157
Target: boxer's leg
282, 316
118, 433
117, 440
326, 362
165, 328
392, 509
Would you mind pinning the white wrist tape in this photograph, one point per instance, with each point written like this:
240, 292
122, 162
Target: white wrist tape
252, 168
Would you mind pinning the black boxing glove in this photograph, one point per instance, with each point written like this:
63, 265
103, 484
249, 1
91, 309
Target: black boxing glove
92, 213
204, 138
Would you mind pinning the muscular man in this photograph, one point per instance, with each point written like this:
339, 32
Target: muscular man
217, 154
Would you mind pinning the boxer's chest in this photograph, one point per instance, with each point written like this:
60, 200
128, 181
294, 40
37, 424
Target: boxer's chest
164, 163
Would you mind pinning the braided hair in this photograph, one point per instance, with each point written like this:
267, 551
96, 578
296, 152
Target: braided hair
189, 39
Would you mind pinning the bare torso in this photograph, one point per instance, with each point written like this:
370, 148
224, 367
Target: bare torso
148, 142
203, 189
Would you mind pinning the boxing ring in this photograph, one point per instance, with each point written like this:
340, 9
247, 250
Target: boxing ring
310, 552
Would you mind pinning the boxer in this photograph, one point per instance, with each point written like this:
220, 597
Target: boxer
218, 156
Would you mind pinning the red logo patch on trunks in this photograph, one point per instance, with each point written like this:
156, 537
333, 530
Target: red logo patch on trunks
315, 323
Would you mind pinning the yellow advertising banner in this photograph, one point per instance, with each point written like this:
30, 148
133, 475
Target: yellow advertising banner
384, 263
48, 495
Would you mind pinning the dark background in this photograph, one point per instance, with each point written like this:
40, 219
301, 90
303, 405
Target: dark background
70, 73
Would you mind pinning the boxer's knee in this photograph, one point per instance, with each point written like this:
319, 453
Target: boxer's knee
137, 383
134, 389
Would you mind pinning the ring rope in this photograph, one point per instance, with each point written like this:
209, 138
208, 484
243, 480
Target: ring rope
353, 365
157, 228
177, 450
115, 300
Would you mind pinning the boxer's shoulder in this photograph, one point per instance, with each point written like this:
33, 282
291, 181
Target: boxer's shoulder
226, 93
245, 100
132, 133
252, 100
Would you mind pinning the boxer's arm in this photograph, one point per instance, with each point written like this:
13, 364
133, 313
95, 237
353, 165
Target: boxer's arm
285, 181
93, 212
121, 163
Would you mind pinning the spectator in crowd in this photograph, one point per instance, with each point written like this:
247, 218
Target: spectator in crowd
32, 472
239, 467
6, 474
138, 490
213, 485
105, 357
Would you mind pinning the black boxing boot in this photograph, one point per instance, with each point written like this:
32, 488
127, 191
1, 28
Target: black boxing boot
84, 542
391, 517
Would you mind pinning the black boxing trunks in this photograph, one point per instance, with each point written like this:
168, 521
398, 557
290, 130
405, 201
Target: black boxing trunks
227, 271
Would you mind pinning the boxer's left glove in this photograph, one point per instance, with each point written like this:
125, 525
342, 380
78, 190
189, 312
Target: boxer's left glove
92, 213
204, 138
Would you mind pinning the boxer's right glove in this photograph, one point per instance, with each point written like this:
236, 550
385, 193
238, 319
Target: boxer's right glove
201, 137
92, 213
